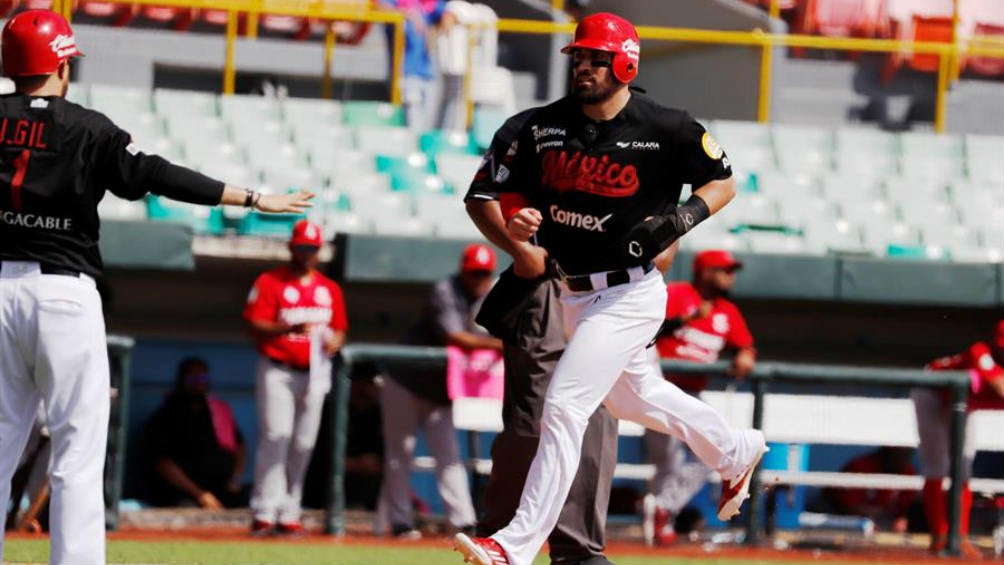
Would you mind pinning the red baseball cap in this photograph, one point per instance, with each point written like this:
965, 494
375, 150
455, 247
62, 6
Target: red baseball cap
306, 233
477, 257
715, 259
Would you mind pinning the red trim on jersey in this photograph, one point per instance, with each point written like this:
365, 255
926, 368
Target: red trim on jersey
983, 369
511, 203
279, 295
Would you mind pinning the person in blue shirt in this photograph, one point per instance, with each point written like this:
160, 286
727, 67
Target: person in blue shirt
419, 73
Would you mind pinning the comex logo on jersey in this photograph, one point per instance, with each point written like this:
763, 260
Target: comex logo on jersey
579, 220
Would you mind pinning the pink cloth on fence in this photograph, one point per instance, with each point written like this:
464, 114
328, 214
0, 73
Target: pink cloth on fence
223, 424
478, 373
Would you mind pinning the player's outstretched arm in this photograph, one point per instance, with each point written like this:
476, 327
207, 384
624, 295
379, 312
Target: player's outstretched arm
293, 203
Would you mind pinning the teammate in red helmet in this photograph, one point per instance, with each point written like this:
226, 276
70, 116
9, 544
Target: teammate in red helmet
57, 160
985, 362
595, 180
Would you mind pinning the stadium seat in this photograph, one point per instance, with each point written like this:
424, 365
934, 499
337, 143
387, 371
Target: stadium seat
178, 19
341, 162
984, 154
200, 136
184, 103
402, 227
236, 174
986, 66
835, 236
303, 110
363, 113
344, 222
120, 103
268, 225
365, 184
803, 149
322, 135
866, 151
436, 142
250, 107
774, 242
389, 205
284, 179
112, 207
487, 120
201, 218
458, 170
919, 251
113, 13
867, 210
878, 236
748, 144
397, 141
415, 162
282, 155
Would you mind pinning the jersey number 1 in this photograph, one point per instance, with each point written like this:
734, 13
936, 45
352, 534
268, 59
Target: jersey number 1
17, 180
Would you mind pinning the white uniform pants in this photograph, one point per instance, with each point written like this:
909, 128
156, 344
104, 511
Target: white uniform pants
52, 347
289, 415
934, 426
606, 361
403, 414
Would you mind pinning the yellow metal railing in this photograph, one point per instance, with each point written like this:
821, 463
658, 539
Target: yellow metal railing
330, 11
988, 47
334, 10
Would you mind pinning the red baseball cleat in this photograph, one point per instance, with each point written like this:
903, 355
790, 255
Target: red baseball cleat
480, 551
736, 491
289, 529
657, 524
261, 528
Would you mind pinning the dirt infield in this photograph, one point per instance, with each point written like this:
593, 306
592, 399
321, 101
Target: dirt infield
873, 554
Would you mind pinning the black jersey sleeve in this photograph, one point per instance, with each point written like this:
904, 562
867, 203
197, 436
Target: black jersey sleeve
518, 171
483, 186
129, 173
700, 158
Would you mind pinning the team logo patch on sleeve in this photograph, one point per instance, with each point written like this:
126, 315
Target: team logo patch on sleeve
711, 146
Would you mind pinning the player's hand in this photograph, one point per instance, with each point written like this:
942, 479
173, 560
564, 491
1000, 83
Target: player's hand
295, 203
208, 501
743, 364
704, 310
524, 224
332, 342
301, 328
530, 262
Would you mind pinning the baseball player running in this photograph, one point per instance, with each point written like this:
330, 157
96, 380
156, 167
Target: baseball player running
297, 318
56, 161
985, 363
526, 314
597, 177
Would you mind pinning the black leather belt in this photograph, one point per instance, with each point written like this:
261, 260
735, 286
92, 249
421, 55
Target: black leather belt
584, 283
46, 269
289, 366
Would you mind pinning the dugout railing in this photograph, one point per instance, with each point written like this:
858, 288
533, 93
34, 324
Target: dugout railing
766, 374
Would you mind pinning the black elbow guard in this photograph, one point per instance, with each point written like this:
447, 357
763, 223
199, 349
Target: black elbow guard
651, 237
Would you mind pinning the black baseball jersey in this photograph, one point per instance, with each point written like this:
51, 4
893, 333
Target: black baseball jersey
56, 161
483, 186
594, 181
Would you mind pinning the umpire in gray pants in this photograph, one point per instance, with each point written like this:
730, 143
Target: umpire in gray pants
526, 315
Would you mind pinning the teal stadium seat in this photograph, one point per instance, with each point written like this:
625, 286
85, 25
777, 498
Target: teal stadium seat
368, 113
487, 120
436, 142
202, 219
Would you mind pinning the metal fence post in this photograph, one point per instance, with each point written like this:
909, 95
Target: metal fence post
119, 356
753, 527
334, 523
960, 392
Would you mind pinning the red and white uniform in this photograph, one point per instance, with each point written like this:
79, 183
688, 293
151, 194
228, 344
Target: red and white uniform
701, 340
982, 370
280, 296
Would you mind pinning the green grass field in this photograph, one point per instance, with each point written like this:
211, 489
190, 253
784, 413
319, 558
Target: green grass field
232, 553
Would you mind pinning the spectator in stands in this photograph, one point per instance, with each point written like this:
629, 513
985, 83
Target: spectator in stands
418, 399
888, 508
985, 363
701, 321
195, 447
452, 58
421, 16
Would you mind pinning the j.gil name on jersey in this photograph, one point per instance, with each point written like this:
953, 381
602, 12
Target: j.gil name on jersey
35, 221
586, 222
23, 133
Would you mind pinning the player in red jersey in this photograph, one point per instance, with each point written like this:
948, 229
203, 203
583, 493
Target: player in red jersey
985, 363
297, 317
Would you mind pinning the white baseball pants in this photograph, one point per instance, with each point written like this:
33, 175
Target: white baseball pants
53, 349
934, 426
403, 414
289, 414
606, 361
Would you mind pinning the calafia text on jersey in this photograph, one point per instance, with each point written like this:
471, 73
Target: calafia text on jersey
29, 134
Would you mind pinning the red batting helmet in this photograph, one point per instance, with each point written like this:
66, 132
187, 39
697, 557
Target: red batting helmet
611, 33
477, 257
306, 233
35, 42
